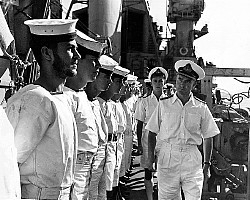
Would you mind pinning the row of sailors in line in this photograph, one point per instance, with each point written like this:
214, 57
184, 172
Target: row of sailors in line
73, 127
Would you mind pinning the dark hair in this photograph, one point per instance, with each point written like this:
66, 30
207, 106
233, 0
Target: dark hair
116, 76
36, 44
84, 51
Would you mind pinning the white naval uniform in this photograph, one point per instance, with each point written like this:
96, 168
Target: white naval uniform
128, 107
97, 187
122, 123
111, 145
45, 138
9, 173
87, 141
179, 130
143, 113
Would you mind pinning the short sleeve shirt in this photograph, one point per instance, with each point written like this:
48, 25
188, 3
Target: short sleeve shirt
146, 107
178, 124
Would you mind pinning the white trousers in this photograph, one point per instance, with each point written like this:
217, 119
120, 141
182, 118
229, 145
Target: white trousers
179, 166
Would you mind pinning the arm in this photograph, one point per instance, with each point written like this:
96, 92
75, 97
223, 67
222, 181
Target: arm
151, 149
139, 135
207, 149
207, 152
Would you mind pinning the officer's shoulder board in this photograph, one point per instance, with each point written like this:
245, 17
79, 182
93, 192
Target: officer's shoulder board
146, 96
200, 100
55, 93
168, 97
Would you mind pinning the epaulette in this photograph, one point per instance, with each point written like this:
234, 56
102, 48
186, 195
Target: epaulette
54, 93
168, 97
80, 90
200, 100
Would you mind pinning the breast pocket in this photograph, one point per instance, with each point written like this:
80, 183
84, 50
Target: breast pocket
170, 121
193, 122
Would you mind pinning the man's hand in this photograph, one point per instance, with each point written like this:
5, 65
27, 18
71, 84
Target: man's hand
206, 173
139, 150
151, 165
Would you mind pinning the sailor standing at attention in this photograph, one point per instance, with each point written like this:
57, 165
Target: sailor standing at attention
105, 101
181, 122
87, 70
144, 110
97, 187
44, 125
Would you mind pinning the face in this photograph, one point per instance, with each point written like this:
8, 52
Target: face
157, 83
116, 85
65, 59
184, 85
88, 69
103, 81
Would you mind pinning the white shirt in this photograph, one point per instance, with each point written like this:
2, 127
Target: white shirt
45, 136
178, 124
9, 172
85, 121
146, 107
102, 126
108, 113
120, 116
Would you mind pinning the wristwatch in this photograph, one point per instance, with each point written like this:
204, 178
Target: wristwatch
206, 163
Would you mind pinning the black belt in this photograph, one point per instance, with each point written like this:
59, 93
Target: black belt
112, 138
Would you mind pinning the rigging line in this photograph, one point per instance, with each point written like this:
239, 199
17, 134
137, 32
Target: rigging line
246, 82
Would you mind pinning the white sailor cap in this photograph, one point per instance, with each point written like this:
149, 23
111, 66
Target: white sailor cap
121, 71
158, 70
131, 79
168, 85
107, 63
189, 69
59, 30
88, 42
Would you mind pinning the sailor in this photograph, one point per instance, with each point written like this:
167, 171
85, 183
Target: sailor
128, 100
181, 122
87, 70
10, 187
44, 125
97, 186
158, 77
112, 160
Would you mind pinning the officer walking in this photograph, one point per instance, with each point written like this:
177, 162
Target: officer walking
181, 122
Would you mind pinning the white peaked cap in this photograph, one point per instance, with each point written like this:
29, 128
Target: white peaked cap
121, 71
156, 69
147, 80
51, 26
189, 69
131, 78
88, 42
107, 62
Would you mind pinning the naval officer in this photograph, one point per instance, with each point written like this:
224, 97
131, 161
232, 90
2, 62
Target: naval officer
181, 123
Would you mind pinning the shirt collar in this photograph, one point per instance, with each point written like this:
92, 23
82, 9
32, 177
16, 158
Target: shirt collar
153, 96
191, 99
